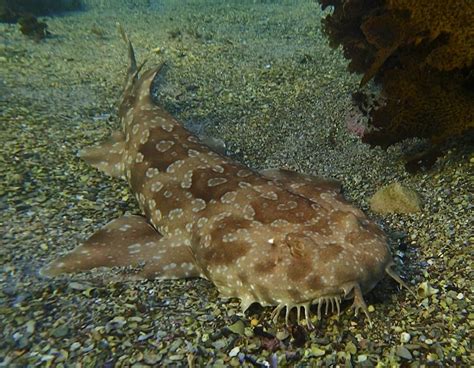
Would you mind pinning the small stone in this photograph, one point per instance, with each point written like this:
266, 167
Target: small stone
405, 337
351, 348
47, 357
175, 345
237, 328
115, 324
404, 353
88, 348
234, 352
78, 286
371, 308
219, 344
395, 198
60, 331
30, 327
145, 337
151, 357
282, 334
74, 346
316, 351
23, 342
234, 362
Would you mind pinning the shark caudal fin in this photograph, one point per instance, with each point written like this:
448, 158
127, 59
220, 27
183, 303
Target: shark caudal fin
129, 241
132, 69
108, 155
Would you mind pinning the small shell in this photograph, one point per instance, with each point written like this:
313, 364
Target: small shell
425, 290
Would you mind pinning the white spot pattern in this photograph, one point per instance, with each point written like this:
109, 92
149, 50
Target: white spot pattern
216, 181
164, 146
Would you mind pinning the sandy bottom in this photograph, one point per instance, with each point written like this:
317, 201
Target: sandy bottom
261, 77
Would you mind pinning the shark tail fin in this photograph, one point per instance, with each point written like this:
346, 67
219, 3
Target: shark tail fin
108, 155
132, 68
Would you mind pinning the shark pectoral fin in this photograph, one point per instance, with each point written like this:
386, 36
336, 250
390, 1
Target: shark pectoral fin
121, 242
304, 183
216, 144
107, 156
127, 241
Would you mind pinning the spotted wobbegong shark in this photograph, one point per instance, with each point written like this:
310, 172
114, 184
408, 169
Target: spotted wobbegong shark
275, 237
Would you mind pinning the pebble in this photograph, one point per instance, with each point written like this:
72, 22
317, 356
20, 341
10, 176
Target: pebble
351, 348
237, 327
151, 357
61, 331
30, 327
317, 351
234, 352
79, 286
404, 353
405, 337
74, 346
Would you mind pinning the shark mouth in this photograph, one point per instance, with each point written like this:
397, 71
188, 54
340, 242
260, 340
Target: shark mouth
332, 303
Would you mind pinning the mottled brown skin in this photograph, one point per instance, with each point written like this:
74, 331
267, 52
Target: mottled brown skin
276, 237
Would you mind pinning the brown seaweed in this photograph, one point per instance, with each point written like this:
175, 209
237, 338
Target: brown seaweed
420, 53
31, 27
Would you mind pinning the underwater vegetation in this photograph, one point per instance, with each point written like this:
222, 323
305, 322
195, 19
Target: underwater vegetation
31, 27
25, 11
419, 53
12, 10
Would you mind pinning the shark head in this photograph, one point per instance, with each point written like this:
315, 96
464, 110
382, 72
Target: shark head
294, 242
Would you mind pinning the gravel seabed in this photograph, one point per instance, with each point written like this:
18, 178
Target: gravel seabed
261, 77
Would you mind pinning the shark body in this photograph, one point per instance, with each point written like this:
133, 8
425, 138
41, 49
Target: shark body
275, 237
